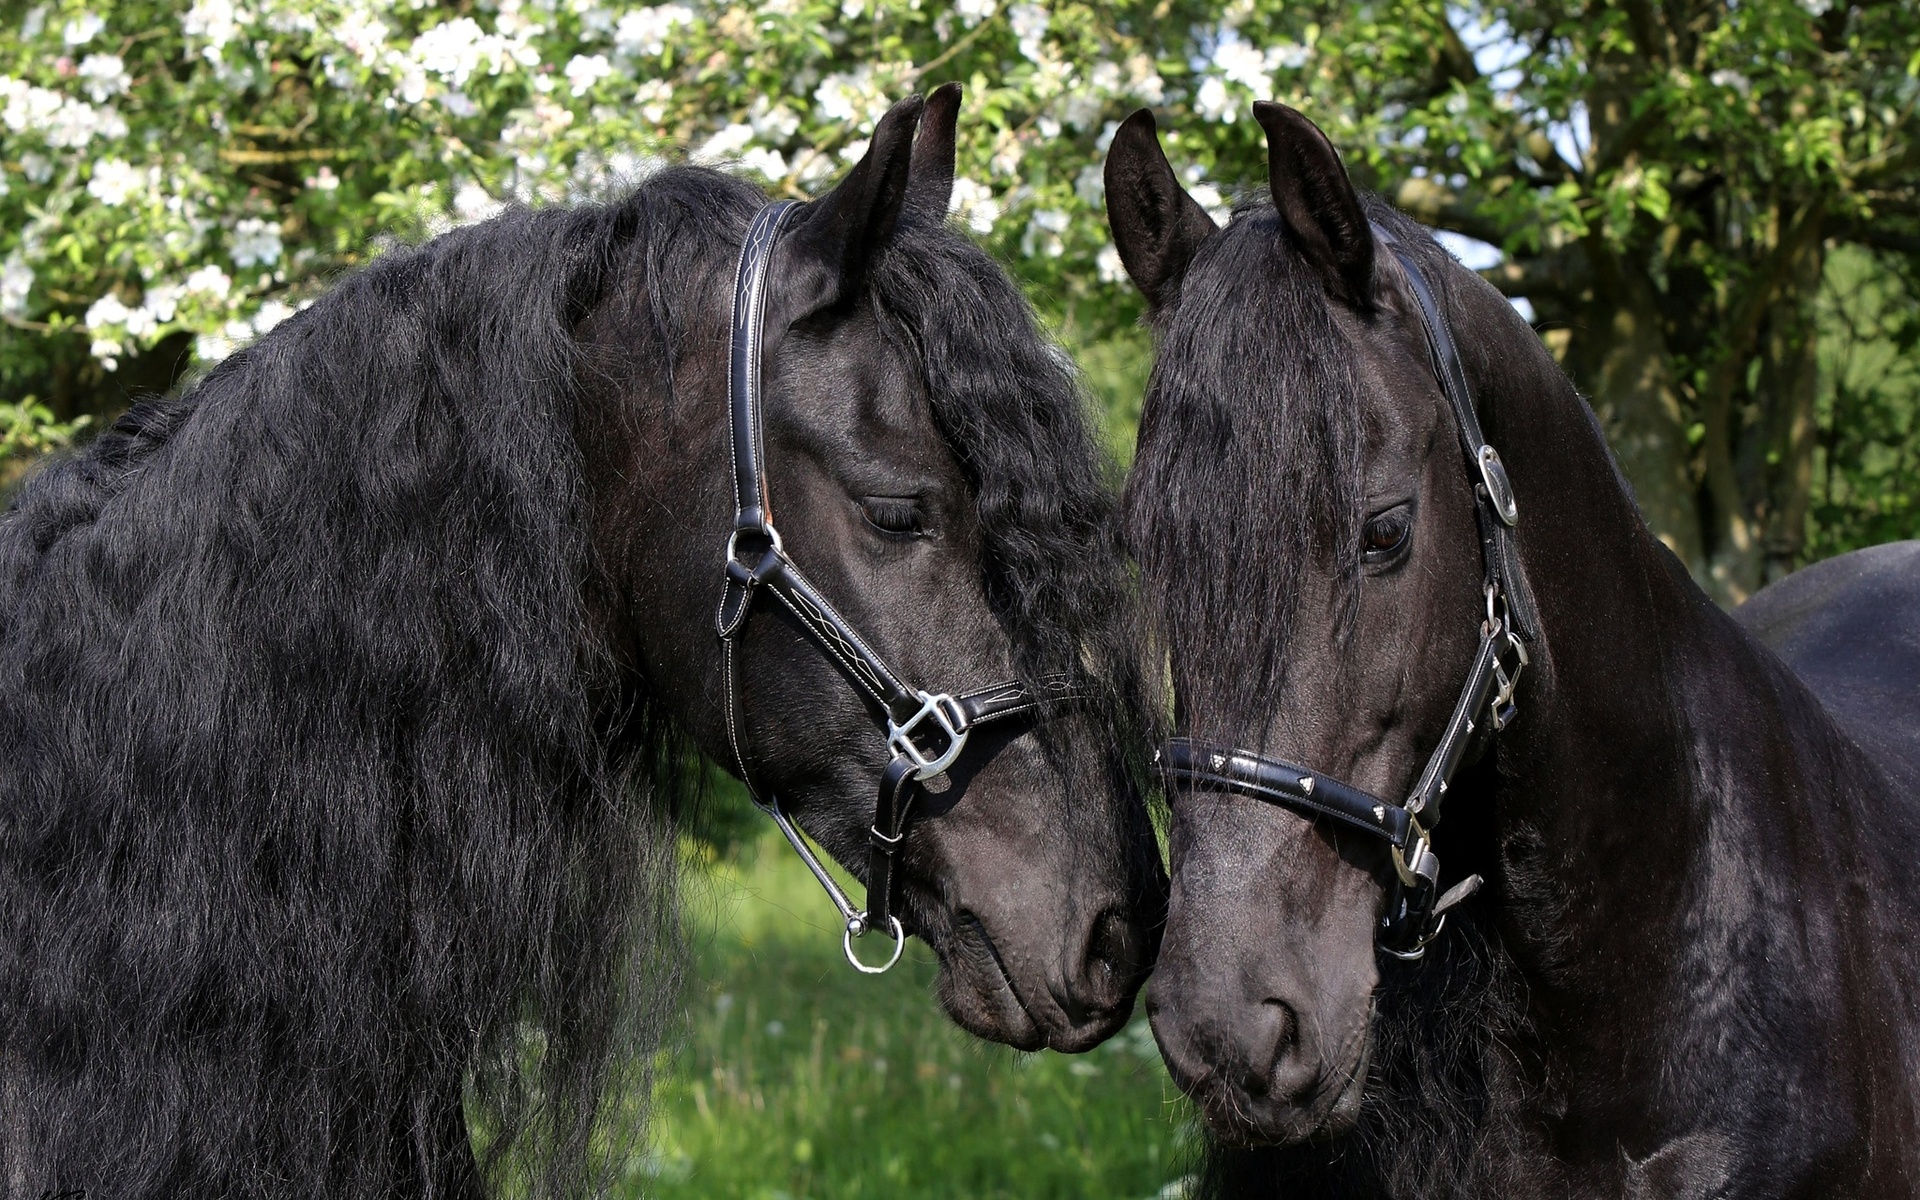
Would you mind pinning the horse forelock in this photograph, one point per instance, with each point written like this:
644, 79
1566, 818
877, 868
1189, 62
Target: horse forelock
1010, 407
1248, 470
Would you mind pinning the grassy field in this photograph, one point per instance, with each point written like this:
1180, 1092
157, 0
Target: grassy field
801, 1079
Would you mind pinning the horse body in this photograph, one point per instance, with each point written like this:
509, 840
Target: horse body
348, 697
1695, 967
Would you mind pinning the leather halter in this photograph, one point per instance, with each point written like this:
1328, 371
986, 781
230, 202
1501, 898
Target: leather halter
925, 731
1414, 916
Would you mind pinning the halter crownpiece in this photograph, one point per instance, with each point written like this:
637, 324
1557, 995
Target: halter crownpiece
925, 732
1415, 913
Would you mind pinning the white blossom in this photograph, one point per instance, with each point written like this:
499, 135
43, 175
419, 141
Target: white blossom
108, 310
1091, 184
472, 203
1143, 79
651, 97
455, 49
1212, 101
1208, 197
82, 29
271, 313
216, 22
851, 96
1108, 264
972, 12
974, 203
583, 71
1082, 110
723, 145
364, 35
323, 180
104, 76
1731, 79
16, 281
209, 281
162, 301
643, 32
254, 241
1029, 23
1042, 238
775, 123
770, 163
38, 168
114, 179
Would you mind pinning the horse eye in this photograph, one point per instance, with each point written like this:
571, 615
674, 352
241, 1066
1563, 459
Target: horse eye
1385, 534
896, 515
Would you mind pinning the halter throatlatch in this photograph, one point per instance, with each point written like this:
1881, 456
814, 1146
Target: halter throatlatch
925, 731
1415, 911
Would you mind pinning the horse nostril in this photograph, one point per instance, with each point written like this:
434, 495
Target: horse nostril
1108, 970
1284, 1069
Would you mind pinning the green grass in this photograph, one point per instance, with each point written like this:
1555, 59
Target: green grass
799, 1078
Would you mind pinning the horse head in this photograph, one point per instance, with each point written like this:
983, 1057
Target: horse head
1306, 526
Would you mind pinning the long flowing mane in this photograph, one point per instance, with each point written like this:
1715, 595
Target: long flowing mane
314, 748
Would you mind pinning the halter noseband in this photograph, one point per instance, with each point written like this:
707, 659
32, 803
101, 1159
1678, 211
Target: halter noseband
925, 731
1414, 916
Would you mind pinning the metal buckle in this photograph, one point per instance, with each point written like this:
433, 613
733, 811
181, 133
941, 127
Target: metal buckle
1499, 487
945, 711
1503, 709
1418, 854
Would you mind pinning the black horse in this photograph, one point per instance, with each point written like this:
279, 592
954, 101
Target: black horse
349, 697
1694, 969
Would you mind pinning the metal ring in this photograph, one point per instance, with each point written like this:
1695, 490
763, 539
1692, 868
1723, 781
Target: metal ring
899, 945
733, 540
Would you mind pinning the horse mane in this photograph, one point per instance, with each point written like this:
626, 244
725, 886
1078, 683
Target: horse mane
1251, 383
314, 746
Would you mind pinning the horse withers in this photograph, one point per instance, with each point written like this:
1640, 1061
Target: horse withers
1397, 573
348, 697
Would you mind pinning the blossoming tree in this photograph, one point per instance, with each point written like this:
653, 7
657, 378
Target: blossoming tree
1664, 184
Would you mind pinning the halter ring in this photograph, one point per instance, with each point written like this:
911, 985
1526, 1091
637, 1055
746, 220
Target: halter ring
945, 711
773, 536
846, 944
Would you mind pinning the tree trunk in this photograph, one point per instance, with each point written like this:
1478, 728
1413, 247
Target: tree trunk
1618, 352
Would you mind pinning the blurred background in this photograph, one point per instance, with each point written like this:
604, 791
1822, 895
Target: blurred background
1710, 211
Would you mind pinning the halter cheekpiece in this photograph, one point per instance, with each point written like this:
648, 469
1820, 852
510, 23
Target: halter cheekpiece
1414, 915
925, 731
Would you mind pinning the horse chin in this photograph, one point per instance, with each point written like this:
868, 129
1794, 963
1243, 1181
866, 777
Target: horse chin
977, 991
1243, 1122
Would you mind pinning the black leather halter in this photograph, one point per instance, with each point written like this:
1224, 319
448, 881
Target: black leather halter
925, 731
1414, 917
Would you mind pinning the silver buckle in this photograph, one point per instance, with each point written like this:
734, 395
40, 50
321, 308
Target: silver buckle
1409, 863
1499, 487
945, 711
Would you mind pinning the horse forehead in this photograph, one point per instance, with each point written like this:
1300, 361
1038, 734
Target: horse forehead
853, 381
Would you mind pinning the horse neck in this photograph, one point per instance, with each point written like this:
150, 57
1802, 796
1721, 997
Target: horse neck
1672, 799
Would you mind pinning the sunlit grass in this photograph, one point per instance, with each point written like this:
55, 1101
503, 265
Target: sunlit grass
799, 1078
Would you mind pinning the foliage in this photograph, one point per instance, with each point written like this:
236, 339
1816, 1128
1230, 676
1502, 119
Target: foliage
1664, 180
801, 1078
1866, 479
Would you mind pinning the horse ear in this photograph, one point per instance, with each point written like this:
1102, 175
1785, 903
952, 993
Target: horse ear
829, 245
1317, 203
1157, 227
930, 177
